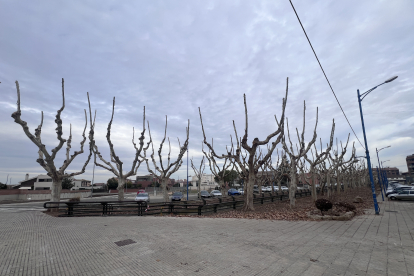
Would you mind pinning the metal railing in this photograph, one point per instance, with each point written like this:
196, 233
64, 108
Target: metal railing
138, 208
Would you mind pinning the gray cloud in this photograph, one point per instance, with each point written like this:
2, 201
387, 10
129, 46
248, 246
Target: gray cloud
175, 57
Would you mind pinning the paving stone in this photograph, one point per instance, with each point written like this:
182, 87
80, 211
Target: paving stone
37, 244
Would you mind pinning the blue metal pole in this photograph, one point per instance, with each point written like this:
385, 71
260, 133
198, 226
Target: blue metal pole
187, 171
380, 180
374, 196
380, 177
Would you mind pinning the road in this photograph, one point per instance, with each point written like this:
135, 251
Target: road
17, 207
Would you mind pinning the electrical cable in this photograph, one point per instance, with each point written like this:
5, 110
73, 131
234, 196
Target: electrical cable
324, 73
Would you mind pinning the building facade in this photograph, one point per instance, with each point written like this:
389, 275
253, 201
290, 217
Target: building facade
410, 164
390, 172
207, 181
45, 182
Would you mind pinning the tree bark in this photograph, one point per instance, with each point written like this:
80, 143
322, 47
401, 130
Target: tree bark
248, 193
121, 184
164, 182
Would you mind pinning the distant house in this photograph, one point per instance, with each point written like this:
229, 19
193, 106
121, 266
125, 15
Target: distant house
40, 182
81, 184
45, 182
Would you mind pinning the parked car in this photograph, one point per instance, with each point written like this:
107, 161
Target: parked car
141, 191
233, 192
404, 194
255, 189
177, 196
204, 194
142, 197
276, 188
397, 190
241, 191
216, 193
284, 188
264, 189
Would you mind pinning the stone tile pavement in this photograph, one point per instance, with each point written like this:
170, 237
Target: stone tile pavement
32, 243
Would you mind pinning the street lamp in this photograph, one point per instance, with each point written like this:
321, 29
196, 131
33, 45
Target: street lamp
363, 95
383, 182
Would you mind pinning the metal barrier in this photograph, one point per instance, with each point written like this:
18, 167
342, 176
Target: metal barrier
138, 208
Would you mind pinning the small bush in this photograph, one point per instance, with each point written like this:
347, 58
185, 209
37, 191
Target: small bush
74, 199
323, 205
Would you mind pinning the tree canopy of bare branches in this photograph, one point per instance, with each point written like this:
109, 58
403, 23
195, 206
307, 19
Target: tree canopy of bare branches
301, 151
46, 159
116, 166
161, 173
198, 173
250, 171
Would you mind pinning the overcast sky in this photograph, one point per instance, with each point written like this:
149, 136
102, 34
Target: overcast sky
175, 56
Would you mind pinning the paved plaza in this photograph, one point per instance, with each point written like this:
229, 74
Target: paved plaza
33, 243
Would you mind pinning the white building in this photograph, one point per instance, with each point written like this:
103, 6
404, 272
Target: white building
207, 182
44, 182
81, 184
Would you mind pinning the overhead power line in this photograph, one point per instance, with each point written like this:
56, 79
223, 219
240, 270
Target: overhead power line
325, 74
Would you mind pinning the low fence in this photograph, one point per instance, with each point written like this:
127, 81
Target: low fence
134, 208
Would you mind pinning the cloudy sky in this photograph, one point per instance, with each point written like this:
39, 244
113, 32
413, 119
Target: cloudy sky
175, 56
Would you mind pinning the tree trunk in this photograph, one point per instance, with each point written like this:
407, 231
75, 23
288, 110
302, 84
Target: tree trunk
248, 193
222, 187
292, 191
164, 182
55, 193
199, 187
56, 189
328, 184
121, 185
279, 185
293, 184
314, 193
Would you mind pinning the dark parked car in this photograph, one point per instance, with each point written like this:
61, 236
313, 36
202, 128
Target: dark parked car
233, 192
177, 196
204, 194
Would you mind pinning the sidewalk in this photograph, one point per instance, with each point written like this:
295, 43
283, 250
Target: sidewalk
33, 243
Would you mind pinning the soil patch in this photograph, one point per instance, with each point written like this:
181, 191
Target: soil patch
282, 211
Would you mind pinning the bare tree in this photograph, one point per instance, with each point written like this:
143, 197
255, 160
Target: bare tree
320, 158
253, 167
219, 173
301, 151
338, 160
198, 173
161, 173
118, 170
47, 160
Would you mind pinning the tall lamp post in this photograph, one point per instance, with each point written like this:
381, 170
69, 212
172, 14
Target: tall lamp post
383, 173
360, 98
379, 165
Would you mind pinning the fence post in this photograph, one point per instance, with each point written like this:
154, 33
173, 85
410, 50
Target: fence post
70, 209
199, 209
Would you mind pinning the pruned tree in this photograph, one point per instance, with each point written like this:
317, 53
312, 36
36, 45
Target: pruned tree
318, 159
161, 173
116, 166
220, 173
337, 160
46, 159
301, 151
252, 168
198, 173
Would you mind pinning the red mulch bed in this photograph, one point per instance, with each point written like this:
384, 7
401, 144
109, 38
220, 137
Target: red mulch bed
282, 211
